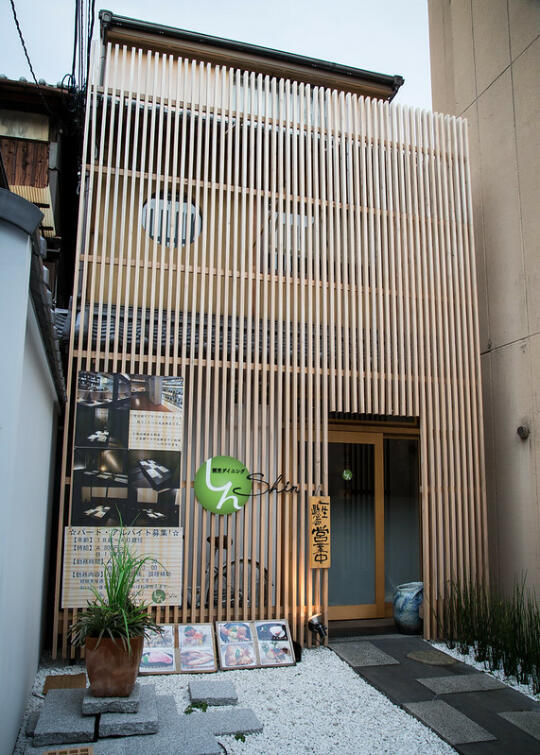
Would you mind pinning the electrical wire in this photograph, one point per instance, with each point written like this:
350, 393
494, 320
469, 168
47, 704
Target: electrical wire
90, 35
75, 35
47, 108
22, 41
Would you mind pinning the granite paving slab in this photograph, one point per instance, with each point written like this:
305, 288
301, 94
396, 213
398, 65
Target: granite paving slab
447, 685
449, 723
144, 721
93, 705
178, 734
109, 747
395, 682
61, 720
483, 708
431, 657
31, 723
362, 653
526, 720
233, 721
213, 693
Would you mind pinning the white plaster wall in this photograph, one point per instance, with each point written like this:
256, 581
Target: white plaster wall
27, 422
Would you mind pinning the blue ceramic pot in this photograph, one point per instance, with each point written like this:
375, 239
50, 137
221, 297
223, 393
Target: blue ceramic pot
407, 600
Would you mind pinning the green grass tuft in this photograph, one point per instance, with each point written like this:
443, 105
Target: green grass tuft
504, 632
117, 613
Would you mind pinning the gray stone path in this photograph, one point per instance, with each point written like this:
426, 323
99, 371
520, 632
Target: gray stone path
528, 720
448, 722
362, 654
156, 726
477, 715
447, 685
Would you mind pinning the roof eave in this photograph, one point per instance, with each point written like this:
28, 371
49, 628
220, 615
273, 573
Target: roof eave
387, 85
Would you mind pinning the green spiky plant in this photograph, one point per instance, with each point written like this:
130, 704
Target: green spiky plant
117, 613
503, 630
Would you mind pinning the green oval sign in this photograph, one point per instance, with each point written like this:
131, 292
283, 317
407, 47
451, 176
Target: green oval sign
222, 485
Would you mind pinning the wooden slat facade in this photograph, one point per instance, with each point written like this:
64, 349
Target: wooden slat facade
332, 271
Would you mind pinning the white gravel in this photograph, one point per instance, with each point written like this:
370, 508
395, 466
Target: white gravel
526, 689
319, 706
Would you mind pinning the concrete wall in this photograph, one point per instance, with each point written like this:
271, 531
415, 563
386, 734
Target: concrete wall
26, 463
485, 66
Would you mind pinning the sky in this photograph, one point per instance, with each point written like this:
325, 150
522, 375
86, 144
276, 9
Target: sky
387, 36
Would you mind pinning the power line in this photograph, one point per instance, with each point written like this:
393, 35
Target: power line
28, 56
22, 41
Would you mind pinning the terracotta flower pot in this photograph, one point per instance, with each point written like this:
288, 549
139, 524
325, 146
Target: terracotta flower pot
112, 670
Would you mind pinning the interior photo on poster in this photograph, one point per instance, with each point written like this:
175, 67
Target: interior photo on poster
126, 460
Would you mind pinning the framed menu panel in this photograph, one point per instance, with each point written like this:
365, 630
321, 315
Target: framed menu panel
160, 652
237, 645
197, 650
274, 643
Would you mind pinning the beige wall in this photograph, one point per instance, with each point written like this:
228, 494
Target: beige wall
485, 61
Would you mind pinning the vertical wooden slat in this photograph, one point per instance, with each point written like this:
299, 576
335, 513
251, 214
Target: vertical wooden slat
334, 271
83, 232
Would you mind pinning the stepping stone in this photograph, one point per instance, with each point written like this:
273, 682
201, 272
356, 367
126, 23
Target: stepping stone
447, 685
213, 693
431, 657
241, 720
110, 747
93, 705
362, 654
144, 721
61, 720
31, 723
178, 734
448, 722
526, 720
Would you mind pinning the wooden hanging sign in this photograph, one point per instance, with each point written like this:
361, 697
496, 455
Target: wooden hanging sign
319, 532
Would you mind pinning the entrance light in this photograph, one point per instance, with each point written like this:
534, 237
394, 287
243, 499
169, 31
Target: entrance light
316, 626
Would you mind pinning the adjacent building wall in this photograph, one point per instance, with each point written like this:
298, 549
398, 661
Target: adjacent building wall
26, 468
485, 66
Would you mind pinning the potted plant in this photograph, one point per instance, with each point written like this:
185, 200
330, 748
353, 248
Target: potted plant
113, 626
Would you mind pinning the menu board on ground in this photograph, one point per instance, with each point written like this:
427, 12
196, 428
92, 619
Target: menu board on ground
236, 643
197, 649
274, 643
160, 652
252, 644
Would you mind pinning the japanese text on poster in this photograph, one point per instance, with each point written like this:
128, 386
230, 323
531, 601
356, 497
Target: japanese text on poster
87, 550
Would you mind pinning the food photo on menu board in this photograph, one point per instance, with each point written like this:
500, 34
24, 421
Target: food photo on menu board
158, 653
197, 650
274, 641
236, 645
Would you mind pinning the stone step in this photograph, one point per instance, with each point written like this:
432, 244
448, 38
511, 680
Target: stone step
143, 721
91, 705
61, 720
213, 693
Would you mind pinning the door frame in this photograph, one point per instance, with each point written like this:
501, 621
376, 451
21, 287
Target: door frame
367, 610
375, 434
